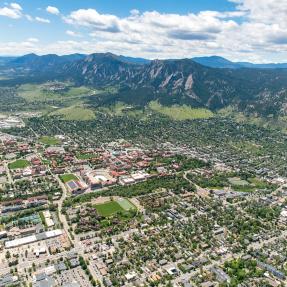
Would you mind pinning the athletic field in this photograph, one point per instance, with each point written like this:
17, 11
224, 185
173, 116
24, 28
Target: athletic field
112, 207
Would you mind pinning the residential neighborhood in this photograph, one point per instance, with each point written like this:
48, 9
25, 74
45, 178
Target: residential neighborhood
127, 214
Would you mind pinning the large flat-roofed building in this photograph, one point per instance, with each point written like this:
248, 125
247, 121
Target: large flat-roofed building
125, 180
140, 176
133, 178
76, 186
48, 218
33, 238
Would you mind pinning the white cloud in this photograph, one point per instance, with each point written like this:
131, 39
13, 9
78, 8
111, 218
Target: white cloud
42, 20
248, 32
73, 33
135, 12
29, 18
12, 11
264, 11
253, 31
154, 34
33, 40
16, 6
91, 18
53, 10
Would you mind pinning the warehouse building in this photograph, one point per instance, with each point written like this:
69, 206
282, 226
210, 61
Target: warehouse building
33, 238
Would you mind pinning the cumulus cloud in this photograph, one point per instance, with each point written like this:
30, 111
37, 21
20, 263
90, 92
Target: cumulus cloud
190, 35
135, 12
11, 11
252, 31
29, 18
91, 18
53, 10
264, 11
42, 20
16, 6
73, 33
249, 32
33, 40
152, 32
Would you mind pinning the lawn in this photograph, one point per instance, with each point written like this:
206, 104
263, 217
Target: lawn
68, 177
261, 184
20, 163
238, 181
122, 109
241, 185
250, 185
85, 155
181, 113
49, 140
75, 113
33, 92
125, 204
49, 100
109, 208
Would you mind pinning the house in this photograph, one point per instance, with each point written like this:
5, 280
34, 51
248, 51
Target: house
43, 280
221, 276
130, 276
8, 279
272, 270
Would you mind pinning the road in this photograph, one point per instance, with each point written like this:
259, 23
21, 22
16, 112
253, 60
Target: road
74, 240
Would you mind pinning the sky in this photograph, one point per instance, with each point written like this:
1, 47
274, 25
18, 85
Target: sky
240, 30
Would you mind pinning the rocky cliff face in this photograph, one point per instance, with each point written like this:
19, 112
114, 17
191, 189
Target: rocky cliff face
184, 81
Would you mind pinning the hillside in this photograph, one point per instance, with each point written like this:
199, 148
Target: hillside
220, 62
170, 82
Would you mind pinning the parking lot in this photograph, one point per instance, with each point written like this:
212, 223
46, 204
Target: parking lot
75, 275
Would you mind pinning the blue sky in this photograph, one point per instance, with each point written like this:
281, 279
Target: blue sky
122, 7
22, 29
237, 29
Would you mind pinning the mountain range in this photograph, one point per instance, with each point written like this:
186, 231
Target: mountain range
210, 61
138, 81
220, 62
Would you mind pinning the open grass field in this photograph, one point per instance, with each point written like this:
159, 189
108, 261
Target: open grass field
240, 117
112, 207
116, 109
85, 155
20, 163
181, 113
261, 184
33, 92
68, 177
49, 140
125, 204
75, 113
30, 92
238, 181
109, 208
122, 109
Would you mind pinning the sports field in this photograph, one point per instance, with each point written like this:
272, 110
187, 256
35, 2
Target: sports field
112, 207
238, 181
125, 204
49, 140
20, 163
67, 177
109, 208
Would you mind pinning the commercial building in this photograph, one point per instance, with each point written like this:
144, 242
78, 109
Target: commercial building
33, 238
